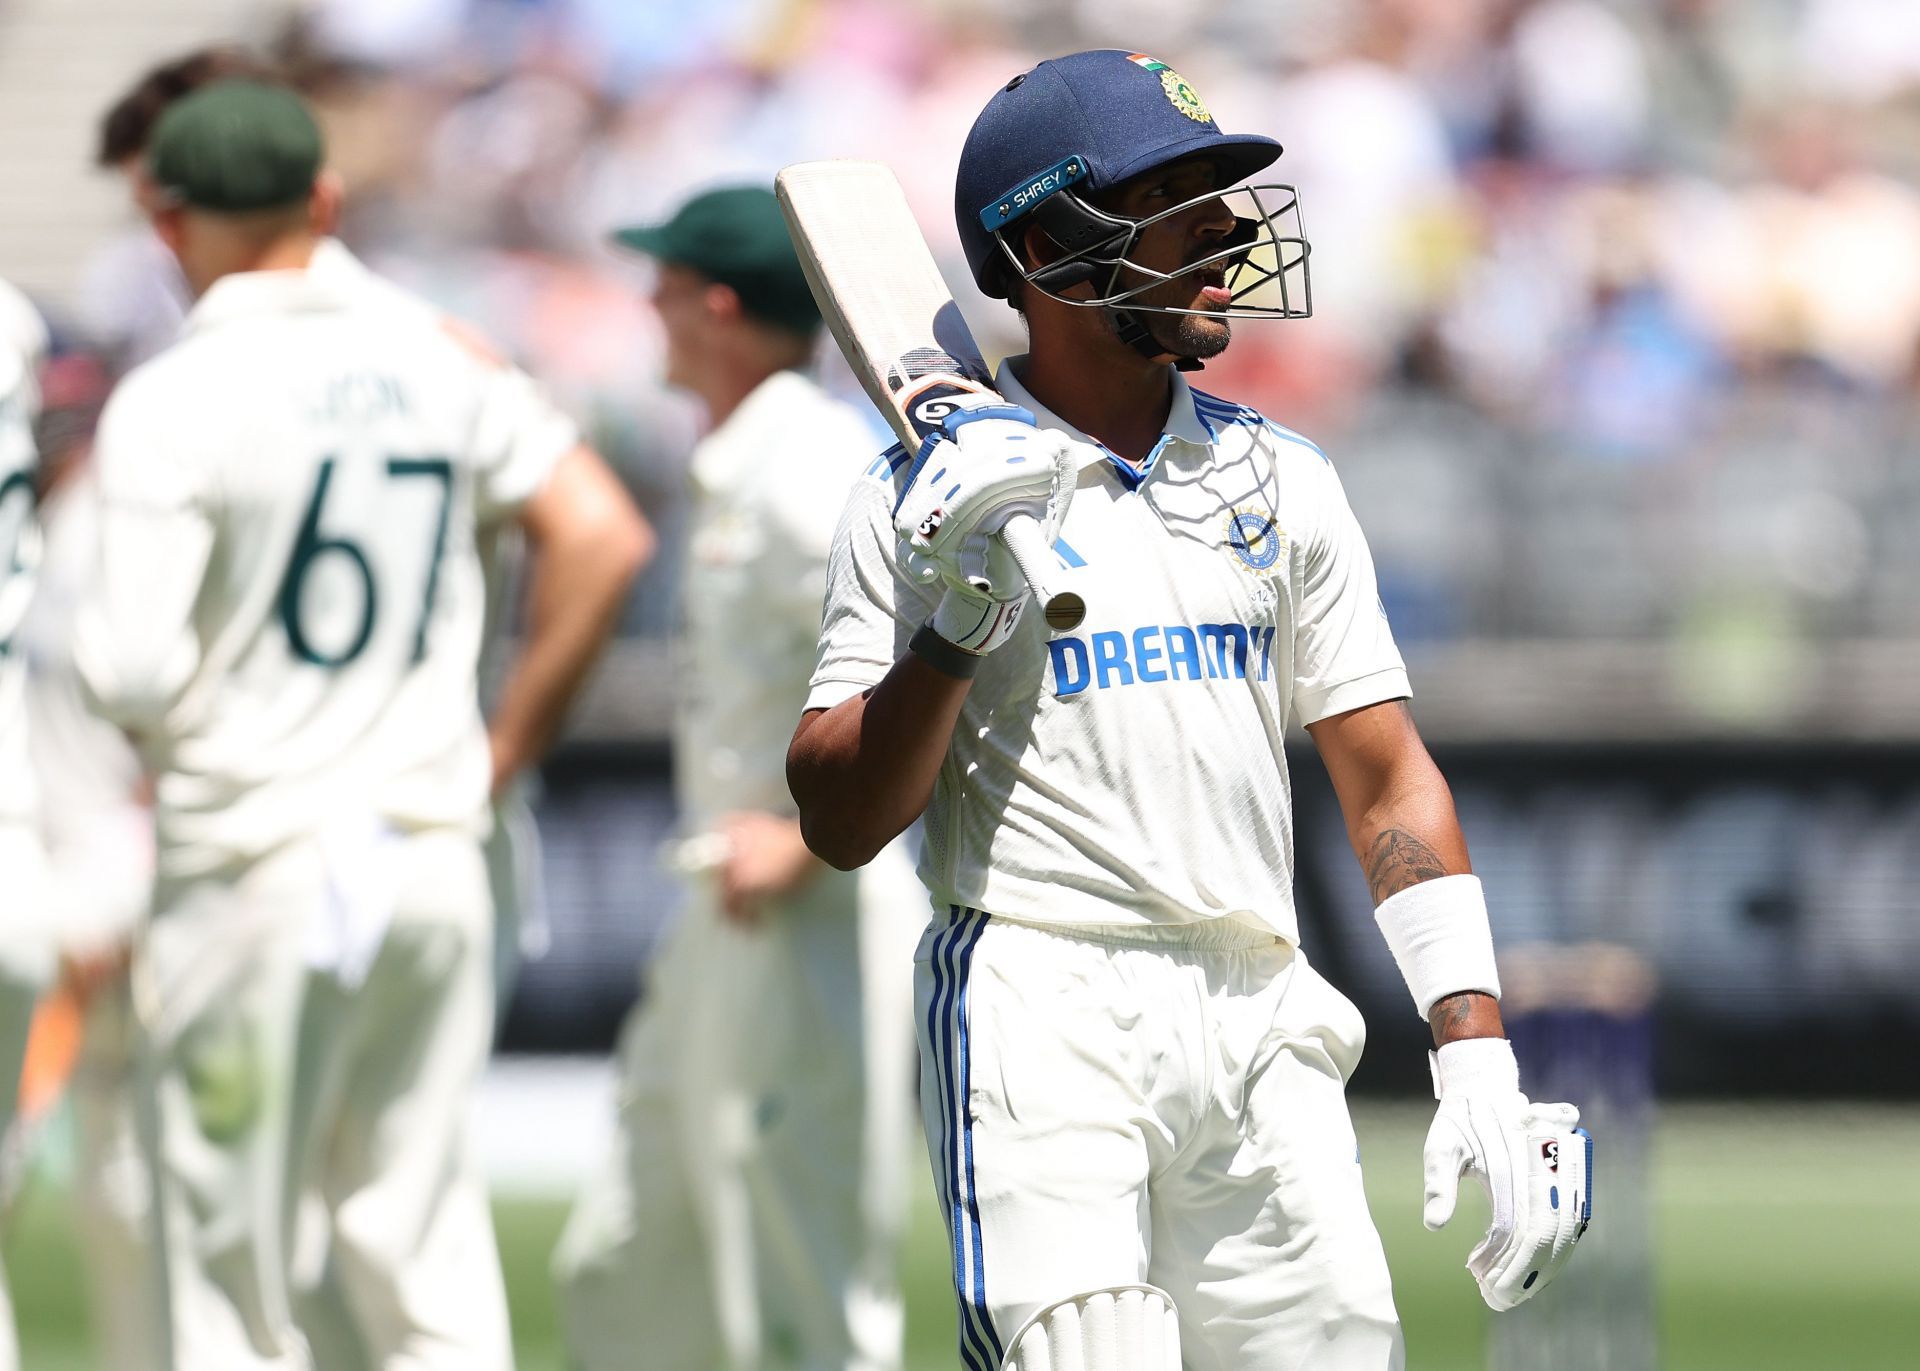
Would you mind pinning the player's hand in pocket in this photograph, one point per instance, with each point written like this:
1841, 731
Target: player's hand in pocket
766, 858
1532, 1160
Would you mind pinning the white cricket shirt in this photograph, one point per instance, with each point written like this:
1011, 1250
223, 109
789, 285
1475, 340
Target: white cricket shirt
288, 605
767, 488
23, 339
1132, 771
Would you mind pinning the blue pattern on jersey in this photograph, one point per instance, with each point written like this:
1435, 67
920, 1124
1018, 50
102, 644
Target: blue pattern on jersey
1215, 412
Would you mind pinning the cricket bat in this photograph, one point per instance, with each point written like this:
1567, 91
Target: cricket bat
895, 320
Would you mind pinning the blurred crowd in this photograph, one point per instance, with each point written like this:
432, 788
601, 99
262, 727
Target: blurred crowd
1617, 302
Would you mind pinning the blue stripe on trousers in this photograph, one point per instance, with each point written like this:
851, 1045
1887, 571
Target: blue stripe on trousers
974, 1350
981, 1315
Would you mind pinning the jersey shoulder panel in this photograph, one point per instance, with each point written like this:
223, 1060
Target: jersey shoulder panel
1221, 415
889, 471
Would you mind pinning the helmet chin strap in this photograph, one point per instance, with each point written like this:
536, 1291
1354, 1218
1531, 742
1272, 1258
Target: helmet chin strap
1131, 327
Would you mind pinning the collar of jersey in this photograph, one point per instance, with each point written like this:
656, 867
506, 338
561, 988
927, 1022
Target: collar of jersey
247, 294
1184, 422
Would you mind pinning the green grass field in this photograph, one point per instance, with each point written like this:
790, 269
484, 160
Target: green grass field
1783, 1241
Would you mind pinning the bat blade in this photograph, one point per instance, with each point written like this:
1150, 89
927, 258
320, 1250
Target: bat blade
888, 308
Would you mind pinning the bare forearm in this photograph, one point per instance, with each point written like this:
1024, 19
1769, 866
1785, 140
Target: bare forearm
574, 597
1402, 824
864, 770
1470, 1014
1413, 836
1408, 832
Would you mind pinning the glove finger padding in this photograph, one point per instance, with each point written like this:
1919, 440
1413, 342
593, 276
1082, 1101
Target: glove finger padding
1553, 1206
1533, 1160
992, 469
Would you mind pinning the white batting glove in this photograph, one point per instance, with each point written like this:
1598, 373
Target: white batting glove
1533, 1162
987, 464
984, 596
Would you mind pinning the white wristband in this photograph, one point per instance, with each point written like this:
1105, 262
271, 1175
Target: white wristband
1438, 934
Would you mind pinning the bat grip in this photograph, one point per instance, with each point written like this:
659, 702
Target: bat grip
1063, 608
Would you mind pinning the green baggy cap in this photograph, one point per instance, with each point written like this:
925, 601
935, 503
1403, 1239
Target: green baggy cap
236, 146
737, 237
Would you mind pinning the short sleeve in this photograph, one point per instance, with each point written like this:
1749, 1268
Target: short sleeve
1344, 655
870, 611
520, 435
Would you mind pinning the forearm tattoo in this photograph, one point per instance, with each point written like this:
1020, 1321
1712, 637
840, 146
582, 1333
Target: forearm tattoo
1397, 860
1470, 1014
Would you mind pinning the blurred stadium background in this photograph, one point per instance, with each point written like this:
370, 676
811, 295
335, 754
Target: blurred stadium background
1617, 347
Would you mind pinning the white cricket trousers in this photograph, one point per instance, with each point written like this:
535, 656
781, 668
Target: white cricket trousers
1110, 1105
26, 969
750, 1215
263, 1076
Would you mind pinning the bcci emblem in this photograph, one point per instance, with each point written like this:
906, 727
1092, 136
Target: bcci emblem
1253, 539
1183, 96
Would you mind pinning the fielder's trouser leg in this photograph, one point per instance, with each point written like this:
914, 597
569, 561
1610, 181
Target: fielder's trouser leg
822, 1162
1107, 1107
26, 969
632, 1268
751, 1216
412, 1232
221, 984
112, 1189
18, 996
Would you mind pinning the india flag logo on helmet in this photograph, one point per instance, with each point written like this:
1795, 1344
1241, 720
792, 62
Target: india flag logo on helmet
1184, 97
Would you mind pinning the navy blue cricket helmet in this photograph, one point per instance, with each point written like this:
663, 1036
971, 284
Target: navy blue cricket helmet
1083, 122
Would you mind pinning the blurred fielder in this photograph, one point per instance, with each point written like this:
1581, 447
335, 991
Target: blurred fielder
286, 615
1132, 1078
750, 1216
139, 302
26, 937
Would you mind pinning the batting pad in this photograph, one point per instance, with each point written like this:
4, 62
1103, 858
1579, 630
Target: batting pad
1123, 1328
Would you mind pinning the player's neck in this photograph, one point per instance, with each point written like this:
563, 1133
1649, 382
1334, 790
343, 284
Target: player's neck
1113, 395
723, 390
291, 253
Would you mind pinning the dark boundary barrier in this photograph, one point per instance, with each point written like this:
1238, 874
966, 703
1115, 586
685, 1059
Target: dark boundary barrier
1774, 887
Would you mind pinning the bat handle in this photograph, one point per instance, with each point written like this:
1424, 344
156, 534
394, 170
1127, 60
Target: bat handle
1064, 609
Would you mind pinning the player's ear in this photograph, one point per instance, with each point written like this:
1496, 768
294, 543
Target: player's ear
323, 207
722, 302
1037, 248
169, 226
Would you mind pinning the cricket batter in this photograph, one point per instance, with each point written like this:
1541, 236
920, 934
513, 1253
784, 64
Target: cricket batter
286, 615
1132, 1077
751, 1213
26, 942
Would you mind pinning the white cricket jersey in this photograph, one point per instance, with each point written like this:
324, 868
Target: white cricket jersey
289, 602
767, 485
1133, 771
23, 339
